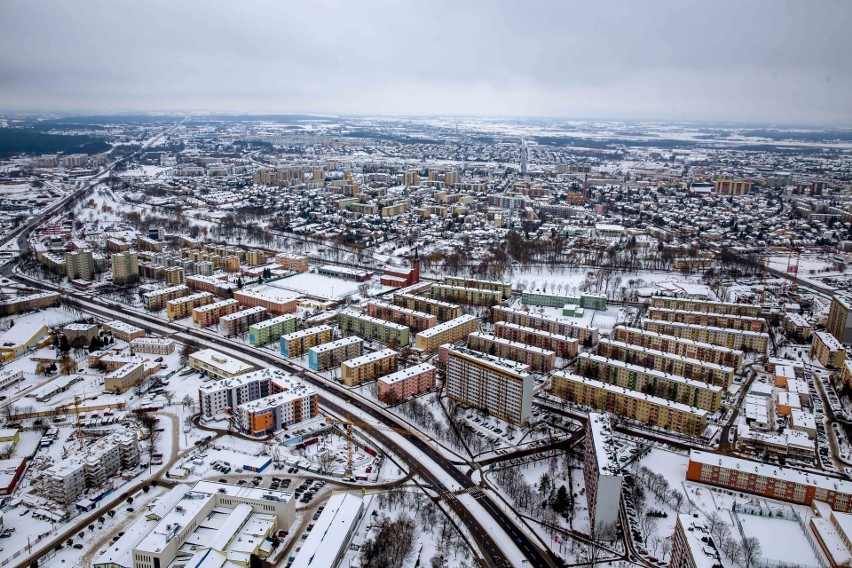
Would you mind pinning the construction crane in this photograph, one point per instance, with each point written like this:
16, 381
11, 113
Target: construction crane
77, 402
349, 424
793, 268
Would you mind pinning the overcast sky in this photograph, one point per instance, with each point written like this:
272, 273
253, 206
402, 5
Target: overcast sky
743, 60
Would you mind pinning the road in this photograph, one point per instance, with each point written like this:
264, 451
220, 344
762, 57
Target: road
485, 539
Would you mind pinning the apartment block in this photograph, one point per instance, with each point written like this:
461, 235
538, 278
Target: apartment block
30, 302
218, 365
469, 296
174, 275
238, 323
706, 306
451, 331
371, 328
292, 262
80, 264
504, 388
505, 288
264, 332
217, 397
297, 343
66, 482
586, 335
585, 301
602, 474
406, 383
327, 355
205, 316
153, 345
414, 320
538, 359
730, 338
156, 299
840, 318
218, 286
182, 307
650, 381
444, 311
275, 301
679, 346
125, 377
123, 331
645, 408
730, 186
367, 367
826, 349
278, 411
667, 362
564, 346
125, 267
729, 321
769, 480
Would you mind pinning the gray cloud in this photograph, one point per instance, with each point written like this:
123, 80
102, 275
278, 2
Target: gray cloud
754, 60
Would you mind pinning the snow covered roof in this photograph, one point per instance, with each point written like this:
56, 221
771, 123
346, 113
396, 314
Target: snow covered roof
330, 533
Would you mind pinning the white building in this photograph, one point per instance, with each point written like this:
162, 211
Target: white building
327, 542
602, 475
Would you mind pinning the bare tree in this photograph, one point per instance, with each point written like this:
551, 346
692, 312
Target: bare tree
750, 551
169, 395
649, 526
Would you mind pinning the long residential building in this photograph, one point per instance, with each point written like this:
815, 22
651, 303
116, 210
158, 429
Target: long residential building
448, 332
264, 332
182, 307
273, 300
645, 408
585, 301
293, 262
328, 355
768, 480
123, 331
291, 403
706, 352
297, 343
706, 306
217, 286
156, 299
730, 338
650, 381
406, 383
216, 397
667, 362
564, 346
371, 328
239, 322
414, 320
205, 316
503, 388
586, 335
367, 367
538, 359
505, 288
444, 311
729, 321
602, 474
469, 296
30, 302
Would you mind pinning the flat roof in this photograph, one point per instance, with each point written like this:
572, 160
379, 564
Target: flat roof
534, 331
701, 344
442, 327
243, 313
330, 533
632, 393
274, 321
304, 332
406, 373
520, 370
703, 554
666, 355
335, 344
370, 357
510, 343
650, 372
601, 432
706, 314
221, 361
802, 477
376, 321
